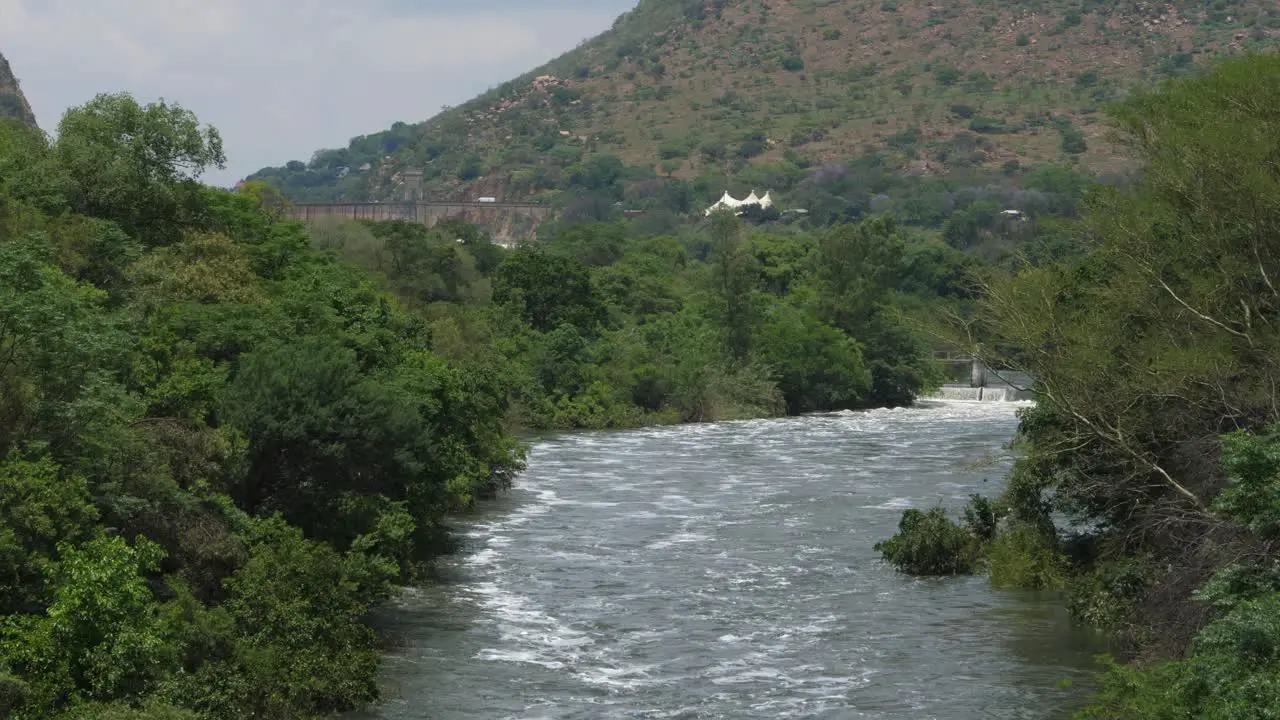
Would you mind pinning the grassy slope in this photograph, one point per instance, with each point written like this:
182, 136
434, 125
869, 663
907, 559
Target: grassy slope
827, 79
13, 104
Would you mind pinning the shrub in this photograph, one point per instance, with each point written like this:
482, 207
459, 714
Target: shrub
987, 125
1232, 673
1106, 597
1023, 557
949, 75
1073, 142
13, 694
792, 63
981, 517
930, 544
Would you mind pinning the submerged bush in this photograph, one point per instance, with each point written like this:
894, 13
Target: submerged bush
930, 544
981, 517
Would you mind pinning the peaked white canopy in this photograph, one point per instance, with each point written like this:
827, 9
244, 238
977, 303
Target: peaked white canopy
728, 202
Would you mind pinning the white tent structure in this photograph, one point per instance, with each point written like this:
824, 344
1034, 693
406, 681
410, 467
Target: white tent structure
728, 202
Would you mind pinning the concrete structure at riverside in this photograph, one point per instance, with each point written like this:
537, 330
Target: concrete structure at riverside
508, 223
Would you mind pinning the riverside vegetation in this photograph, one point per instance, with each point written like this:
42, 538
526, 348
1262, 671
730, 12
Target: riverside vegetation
218, 447
1149, 485
224, 437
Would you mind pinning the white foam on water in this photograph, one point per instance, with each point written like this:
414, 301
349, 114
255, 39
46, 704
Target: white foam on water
614, 580
679, 538
898, 503
487, 556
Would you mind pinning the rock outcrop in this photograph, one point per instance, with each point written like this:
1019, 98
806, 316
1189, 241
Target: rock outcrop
13, 104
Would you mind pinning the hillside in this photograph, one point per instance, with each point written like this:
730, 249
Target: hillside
12, 102
751, 89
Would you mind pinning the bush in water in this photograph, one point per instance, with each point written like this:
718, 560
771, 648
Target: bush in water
930, 544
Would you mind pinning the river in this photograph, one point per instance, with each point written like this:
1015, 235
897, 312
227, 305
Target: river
727, 571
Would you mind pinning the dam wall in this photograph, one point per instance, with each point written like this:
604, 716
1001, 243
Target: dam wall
508, 224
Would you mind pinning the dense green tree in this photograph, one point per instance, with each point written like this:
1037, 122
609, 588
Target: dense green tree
101, 639
817, 366
549, 289
28, 171
733, 278
43, 507
858, 266
137, 164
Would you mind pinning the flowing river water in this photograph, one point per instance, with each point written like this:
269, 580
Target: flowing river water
727, 571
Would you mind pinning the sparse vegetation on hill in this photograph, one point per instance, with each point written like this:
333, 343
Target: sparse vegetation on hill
682, 98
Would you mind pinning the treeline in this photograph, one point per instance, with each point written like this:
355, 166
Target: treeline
218, 447
1150, 484
601, 325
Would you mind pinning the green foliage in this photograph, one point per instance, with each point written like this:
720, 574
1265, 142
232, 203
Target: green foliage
42, 507
1021, 556
1177, 274
1155, 430
549, 289
136, 165
981, 517
219, 449
818, 368
930, 544
319, 430
1073, 142
858, 267
1233, 672
100, 638
1252, 500
152, 710
948, 75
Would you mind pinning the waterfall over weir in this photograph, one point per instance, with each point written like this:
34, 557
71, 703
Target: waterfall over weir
973, 394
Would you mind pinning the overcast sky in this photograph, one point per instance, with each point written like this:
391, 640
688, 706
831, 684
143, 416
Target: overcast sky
279, 78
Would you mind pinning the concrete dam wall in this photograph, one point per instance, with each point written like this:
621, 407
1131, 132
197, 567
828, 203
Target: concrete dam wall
508, 223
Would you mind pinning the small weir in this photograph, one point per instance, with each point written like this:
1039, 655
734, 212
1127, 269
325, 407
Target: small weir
974, 394
984, 384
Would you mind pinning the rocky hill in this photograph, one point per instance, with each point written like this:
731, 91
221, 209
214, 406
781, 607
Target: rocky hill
13, 103
713, 89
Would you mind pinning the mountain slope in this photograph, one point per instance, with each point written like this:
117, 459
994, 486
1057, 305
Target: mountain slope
689, 88
13, 103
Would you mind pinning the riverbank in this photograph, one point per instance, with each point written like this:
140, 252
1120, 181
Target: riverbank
1157, 436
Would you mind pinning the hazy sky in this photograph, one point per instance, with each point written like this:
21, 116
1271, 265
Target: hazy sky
279, 78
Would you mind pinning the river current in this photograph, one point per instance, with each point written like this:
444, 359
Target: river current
727, 571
